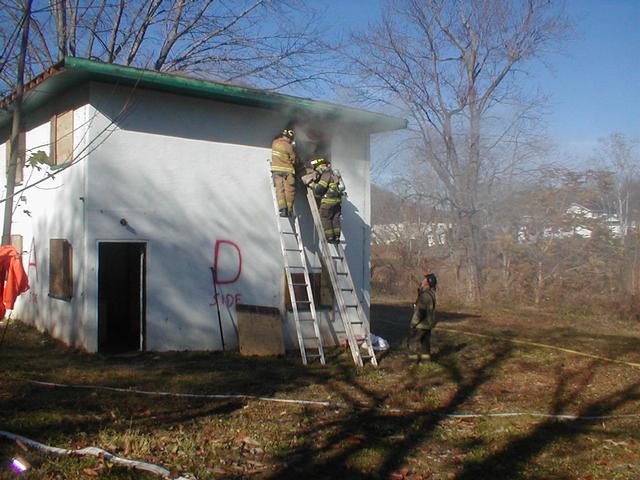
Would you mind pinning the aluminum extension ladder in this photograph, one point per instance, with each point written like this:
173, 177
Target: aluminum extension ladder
347, 301
295, 263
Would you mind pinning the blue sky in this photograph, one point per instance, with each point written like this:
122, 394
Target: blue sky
594, 87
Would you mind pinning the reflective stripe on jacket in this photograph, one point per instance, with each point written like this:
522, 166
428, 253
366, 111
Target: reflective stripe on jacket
424, 314
283, 158
328, 188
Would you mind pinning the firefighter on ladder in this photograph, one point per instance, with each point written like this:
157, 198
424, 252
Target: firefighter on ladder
283, 170
328, 189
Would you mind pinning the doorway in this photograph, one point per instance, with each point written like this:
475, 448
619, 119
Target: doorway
121, 297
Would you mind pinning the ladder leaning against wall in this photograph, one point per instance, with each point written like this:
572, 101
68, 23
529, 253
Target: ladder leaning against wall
348, 304
297, 275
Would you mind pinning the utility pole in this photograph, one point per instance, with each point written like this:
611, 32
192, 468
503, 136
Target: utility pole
16, 125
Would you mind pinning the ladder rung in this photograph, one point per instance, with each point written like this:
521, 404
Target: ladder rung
357, 323
333, 257
310, 346
347, 289
351, 306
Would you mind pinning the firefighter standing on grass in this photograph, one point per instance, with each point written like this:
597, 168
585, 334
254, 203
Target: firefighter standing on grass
423, 320
328, 189
283, 170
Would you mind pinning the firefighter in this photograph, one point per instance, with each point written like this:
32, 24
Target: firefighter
328, 189
283, 170
423, 319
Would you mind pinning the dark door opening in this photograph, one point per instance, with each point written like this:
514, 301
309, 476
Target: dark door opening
121, 297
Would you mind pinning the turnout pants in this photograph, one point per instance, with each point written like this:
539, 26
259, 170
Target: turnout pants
422, 322
330, 218
285, 184
419, 341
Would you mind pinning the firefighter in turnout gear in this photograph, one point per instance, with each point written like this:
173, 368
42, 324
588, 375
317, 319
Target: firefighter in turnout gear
283, 170
423, 320
328, 189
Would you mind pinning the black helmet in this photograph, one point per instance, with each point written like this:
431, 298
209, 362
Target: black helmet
431, 280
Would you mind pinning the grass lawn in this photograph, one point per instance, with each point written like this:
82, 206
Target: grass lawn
575, 406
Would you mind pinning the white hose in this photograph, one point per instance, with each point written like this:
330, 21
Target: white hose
339, 405
96, 452
188, 395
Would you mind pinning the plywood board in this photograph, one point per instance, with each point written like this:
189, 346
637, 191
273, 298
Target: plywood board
260, 331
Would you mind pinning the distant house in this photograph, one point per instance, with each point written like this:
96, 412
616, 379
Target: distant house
432, 233
585, 218
579, 221
139, 189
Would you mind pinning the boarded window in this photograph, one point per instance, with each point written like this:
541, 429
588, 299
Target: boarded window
21, 157
320, 288
60, 269
62, 138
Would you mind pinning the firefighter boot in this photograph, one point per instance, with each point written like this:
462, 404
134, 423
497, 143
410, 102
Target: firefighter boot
284, 212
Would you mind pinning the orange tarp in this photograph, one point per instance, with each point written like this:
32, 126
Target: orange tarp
14, 279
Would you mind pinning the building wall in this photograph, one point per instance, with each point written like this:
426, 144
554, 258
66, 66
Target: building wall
190, 178
349, 155
51, 207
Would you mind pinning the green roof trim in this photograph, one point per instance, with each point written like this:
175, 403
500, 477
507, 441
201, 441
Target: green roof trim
73, 71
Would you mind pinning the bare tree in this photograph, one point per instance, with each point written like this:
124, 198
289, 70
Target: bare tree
452, 67
620, 193
268, 43
619, 156
16, 121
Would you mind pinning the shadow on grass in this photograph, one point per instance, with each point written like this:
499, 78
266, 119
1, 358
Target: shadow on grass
368, 433
609, 345
371, 441
511, 460
50, 414
367, 438
391, 322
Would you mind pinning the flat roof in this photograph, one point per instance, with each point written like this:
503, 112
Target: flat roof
73, 71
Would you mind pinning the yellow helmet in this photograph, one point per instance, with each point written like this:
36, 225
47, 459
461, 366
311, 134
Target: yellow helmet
288, 133
319, 161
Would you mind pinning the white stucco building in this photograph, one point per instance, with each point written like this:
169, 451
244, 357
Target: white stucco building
144, 182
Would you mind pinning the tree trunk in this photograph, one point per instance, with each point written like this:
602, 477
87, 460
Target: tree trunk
15, 127
632, 263
506, 271
539, 282
60, 13
471, 260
